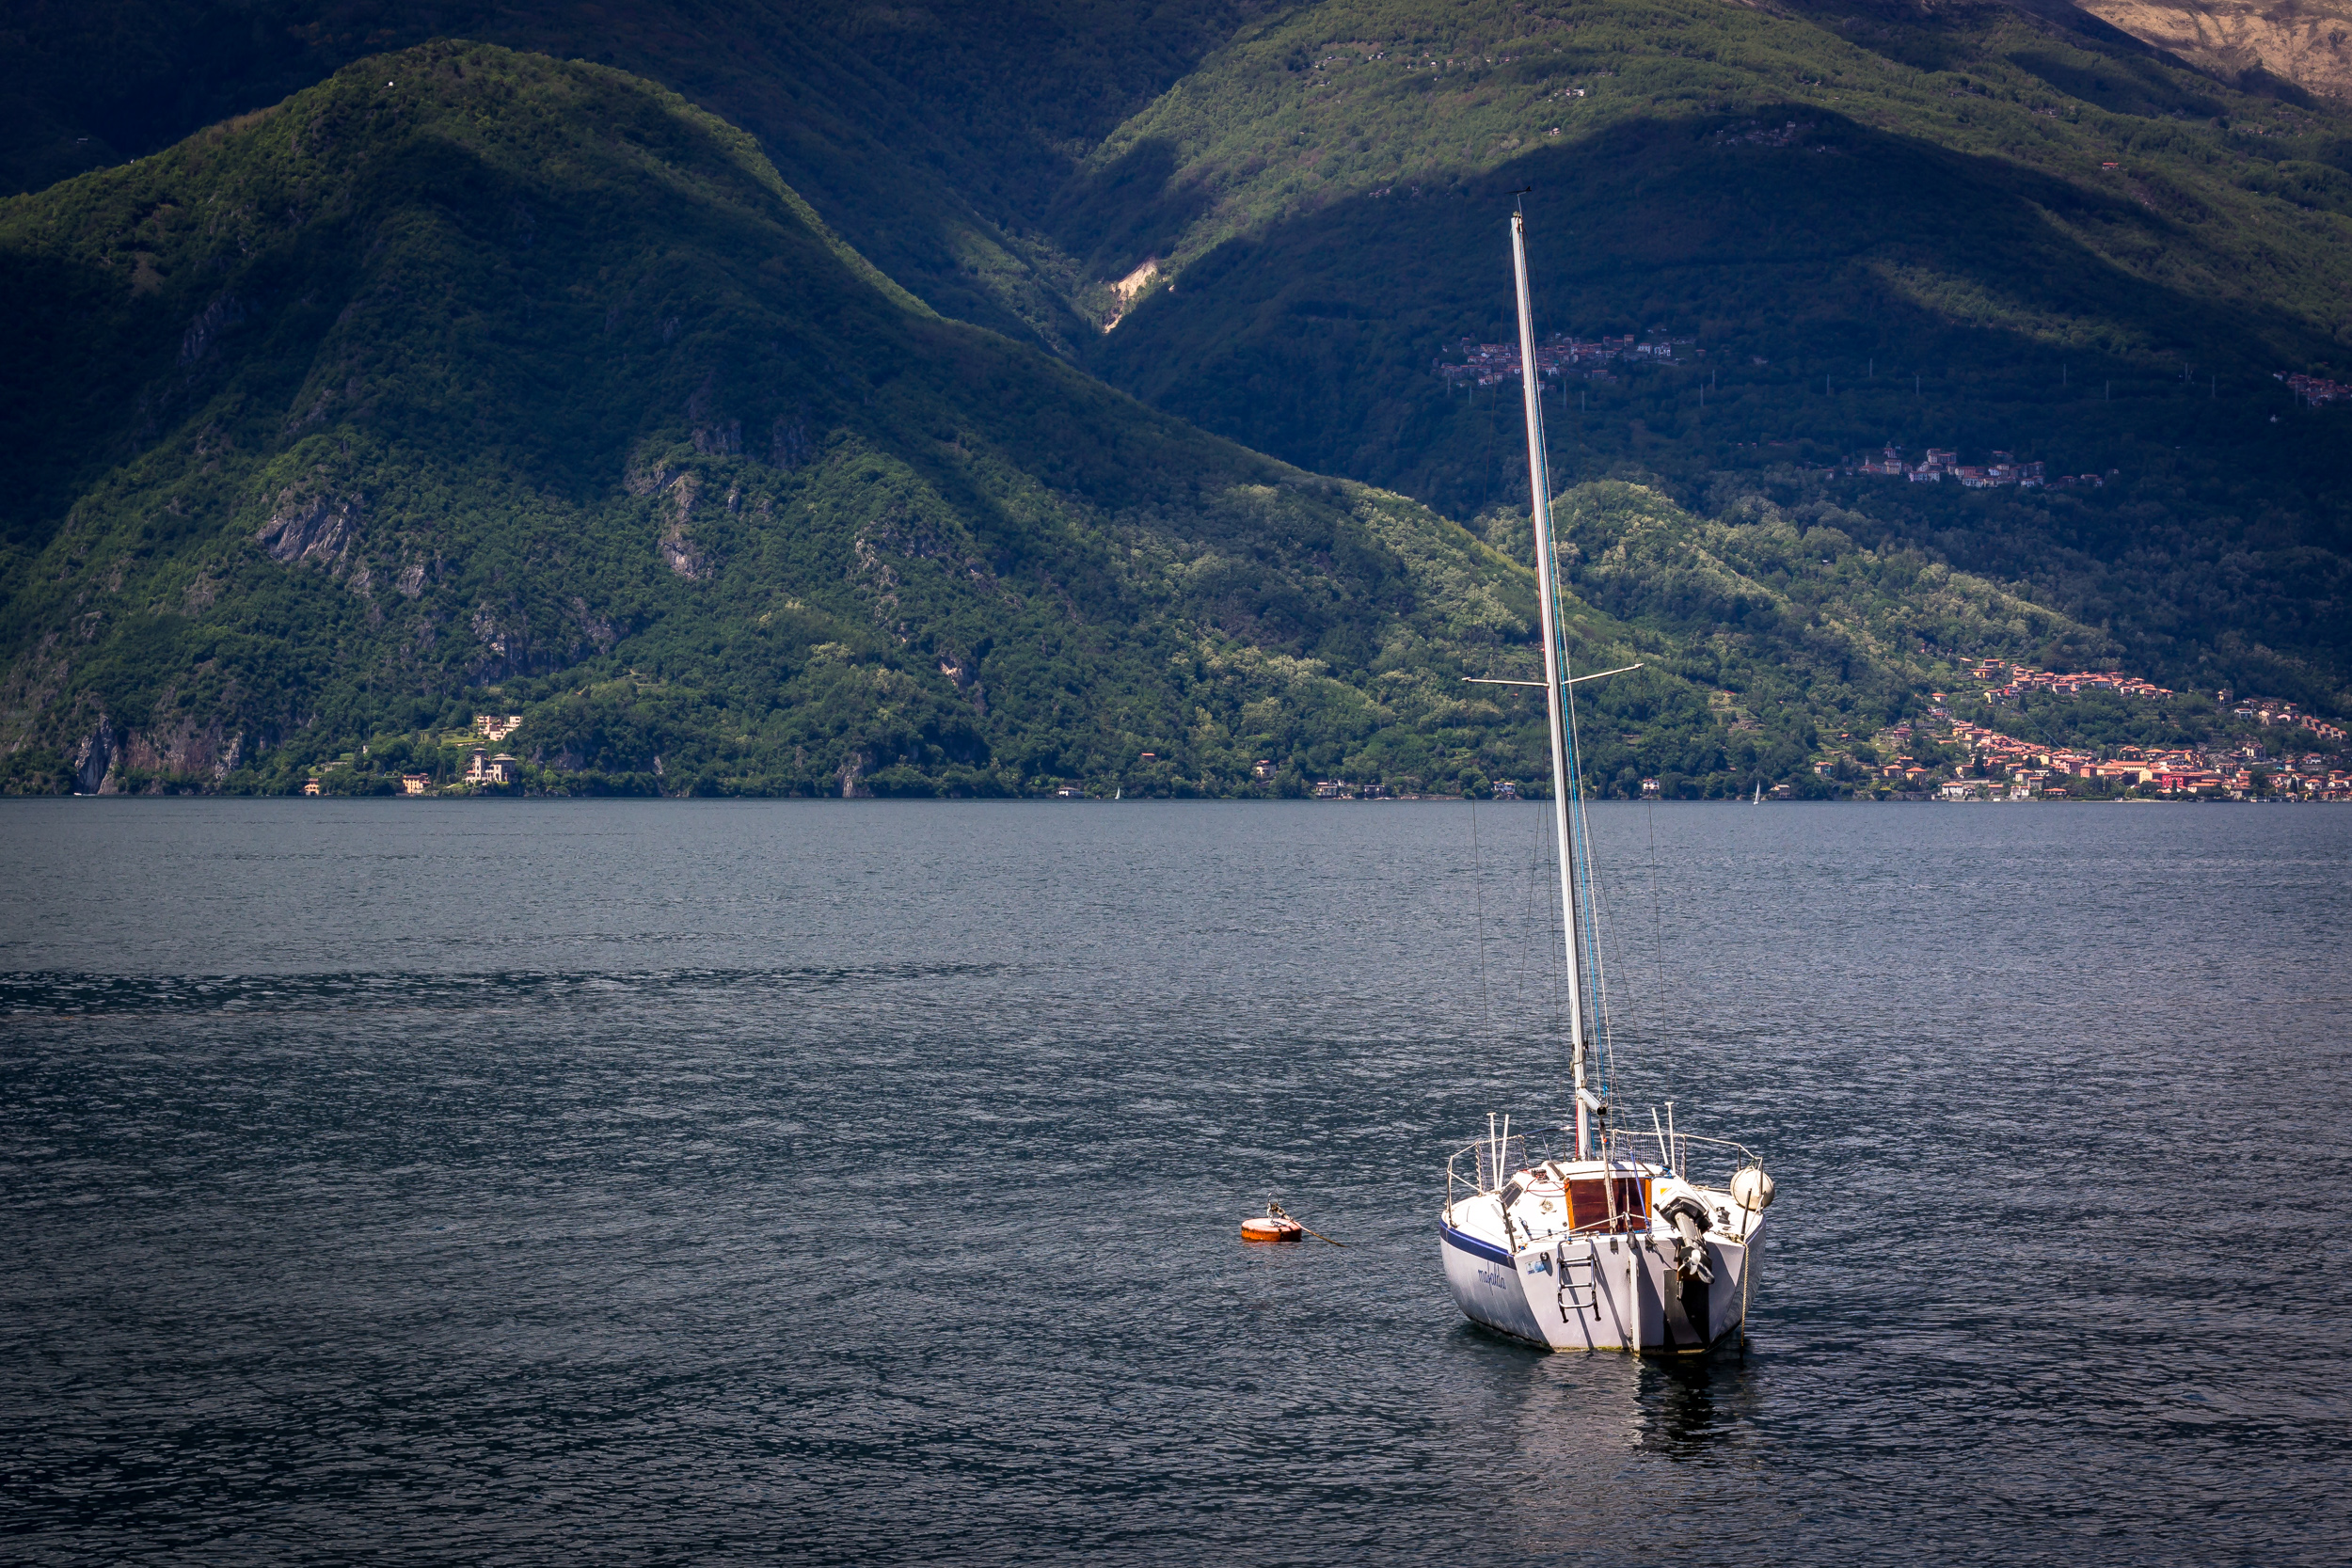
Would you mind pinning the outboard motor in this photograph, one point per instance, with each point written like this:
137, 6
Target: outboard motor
1689, 1217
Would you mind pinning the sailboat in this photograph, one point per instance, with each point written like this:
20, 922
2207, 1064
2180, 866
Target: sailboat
1595, 1235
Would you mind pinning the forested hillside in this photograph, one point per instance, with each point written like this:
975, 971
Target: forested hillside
1882, 222
470, 378
935, 137
254, 368
1977, 228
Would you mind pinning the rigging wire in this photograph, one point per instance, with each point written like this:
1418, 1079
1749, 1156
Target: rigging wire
1579, 827
1608, 898
1552, 916
1478, 902
1658, 952
1536, 861
1578, 855
1610, 895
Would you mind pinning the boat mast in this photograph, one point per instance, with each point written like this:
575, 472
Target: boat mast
1555, 676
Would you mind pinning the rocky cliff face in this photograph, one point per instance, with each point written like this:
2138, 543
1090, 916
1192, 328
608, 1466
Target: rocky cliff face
175, 754
93, 759
2308, 42
310, 527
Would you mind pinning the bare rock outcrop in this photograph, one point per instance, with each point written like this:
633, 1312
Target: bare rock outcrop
94, 758
311, 526
789, 445
675, 511
504, 638
184, 748
2308, 42
218, 317
678, 546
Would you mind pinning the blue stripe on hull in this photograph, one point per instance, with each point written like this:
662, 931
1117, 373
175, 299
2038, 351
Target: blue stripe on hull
1484, 1283
1475, 1247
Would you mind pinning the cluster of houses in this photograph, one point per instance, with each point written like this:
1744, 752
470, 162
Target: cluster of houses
480, 768
2238, 773
2314, 390
2017, 679
2004, 768
1942, 462
483, 766
2269, 711
1485, 364
2006, 681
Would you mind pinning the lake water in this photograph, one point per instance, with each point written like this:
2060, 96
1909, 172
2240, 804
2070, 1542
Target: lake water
860, 1182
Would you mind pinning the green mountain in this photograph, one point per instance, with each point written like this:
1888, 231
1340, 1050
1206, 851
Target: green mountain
623, 459
1975, 226
935, 137
470, 379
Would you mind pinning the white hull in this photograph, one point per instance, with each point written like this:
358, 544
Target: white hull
1593, 1292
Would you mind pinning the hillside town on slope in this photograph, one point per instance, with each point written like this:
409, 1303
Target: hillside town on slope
1942, 462
2304, 759
2006, 768
2017, 679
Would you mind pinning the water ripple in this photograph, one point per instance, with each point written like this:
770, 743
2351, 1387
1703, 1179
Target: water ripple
734, 1184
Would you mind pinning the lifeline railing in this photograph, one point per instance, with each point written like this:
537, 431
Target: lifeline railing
1493, 1160
1672, 1151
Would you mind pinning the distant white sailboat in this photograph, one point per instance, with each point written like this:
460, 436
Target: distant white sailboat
1609, 1240
1759, 794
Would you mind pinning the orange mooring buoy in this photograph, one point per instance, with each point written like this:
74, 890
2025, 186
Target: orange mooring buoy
1266, 1227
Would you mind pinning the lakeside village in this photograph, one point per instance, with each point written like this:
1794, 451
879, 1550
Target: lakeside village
483, 769
1998, 766
2305, 761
